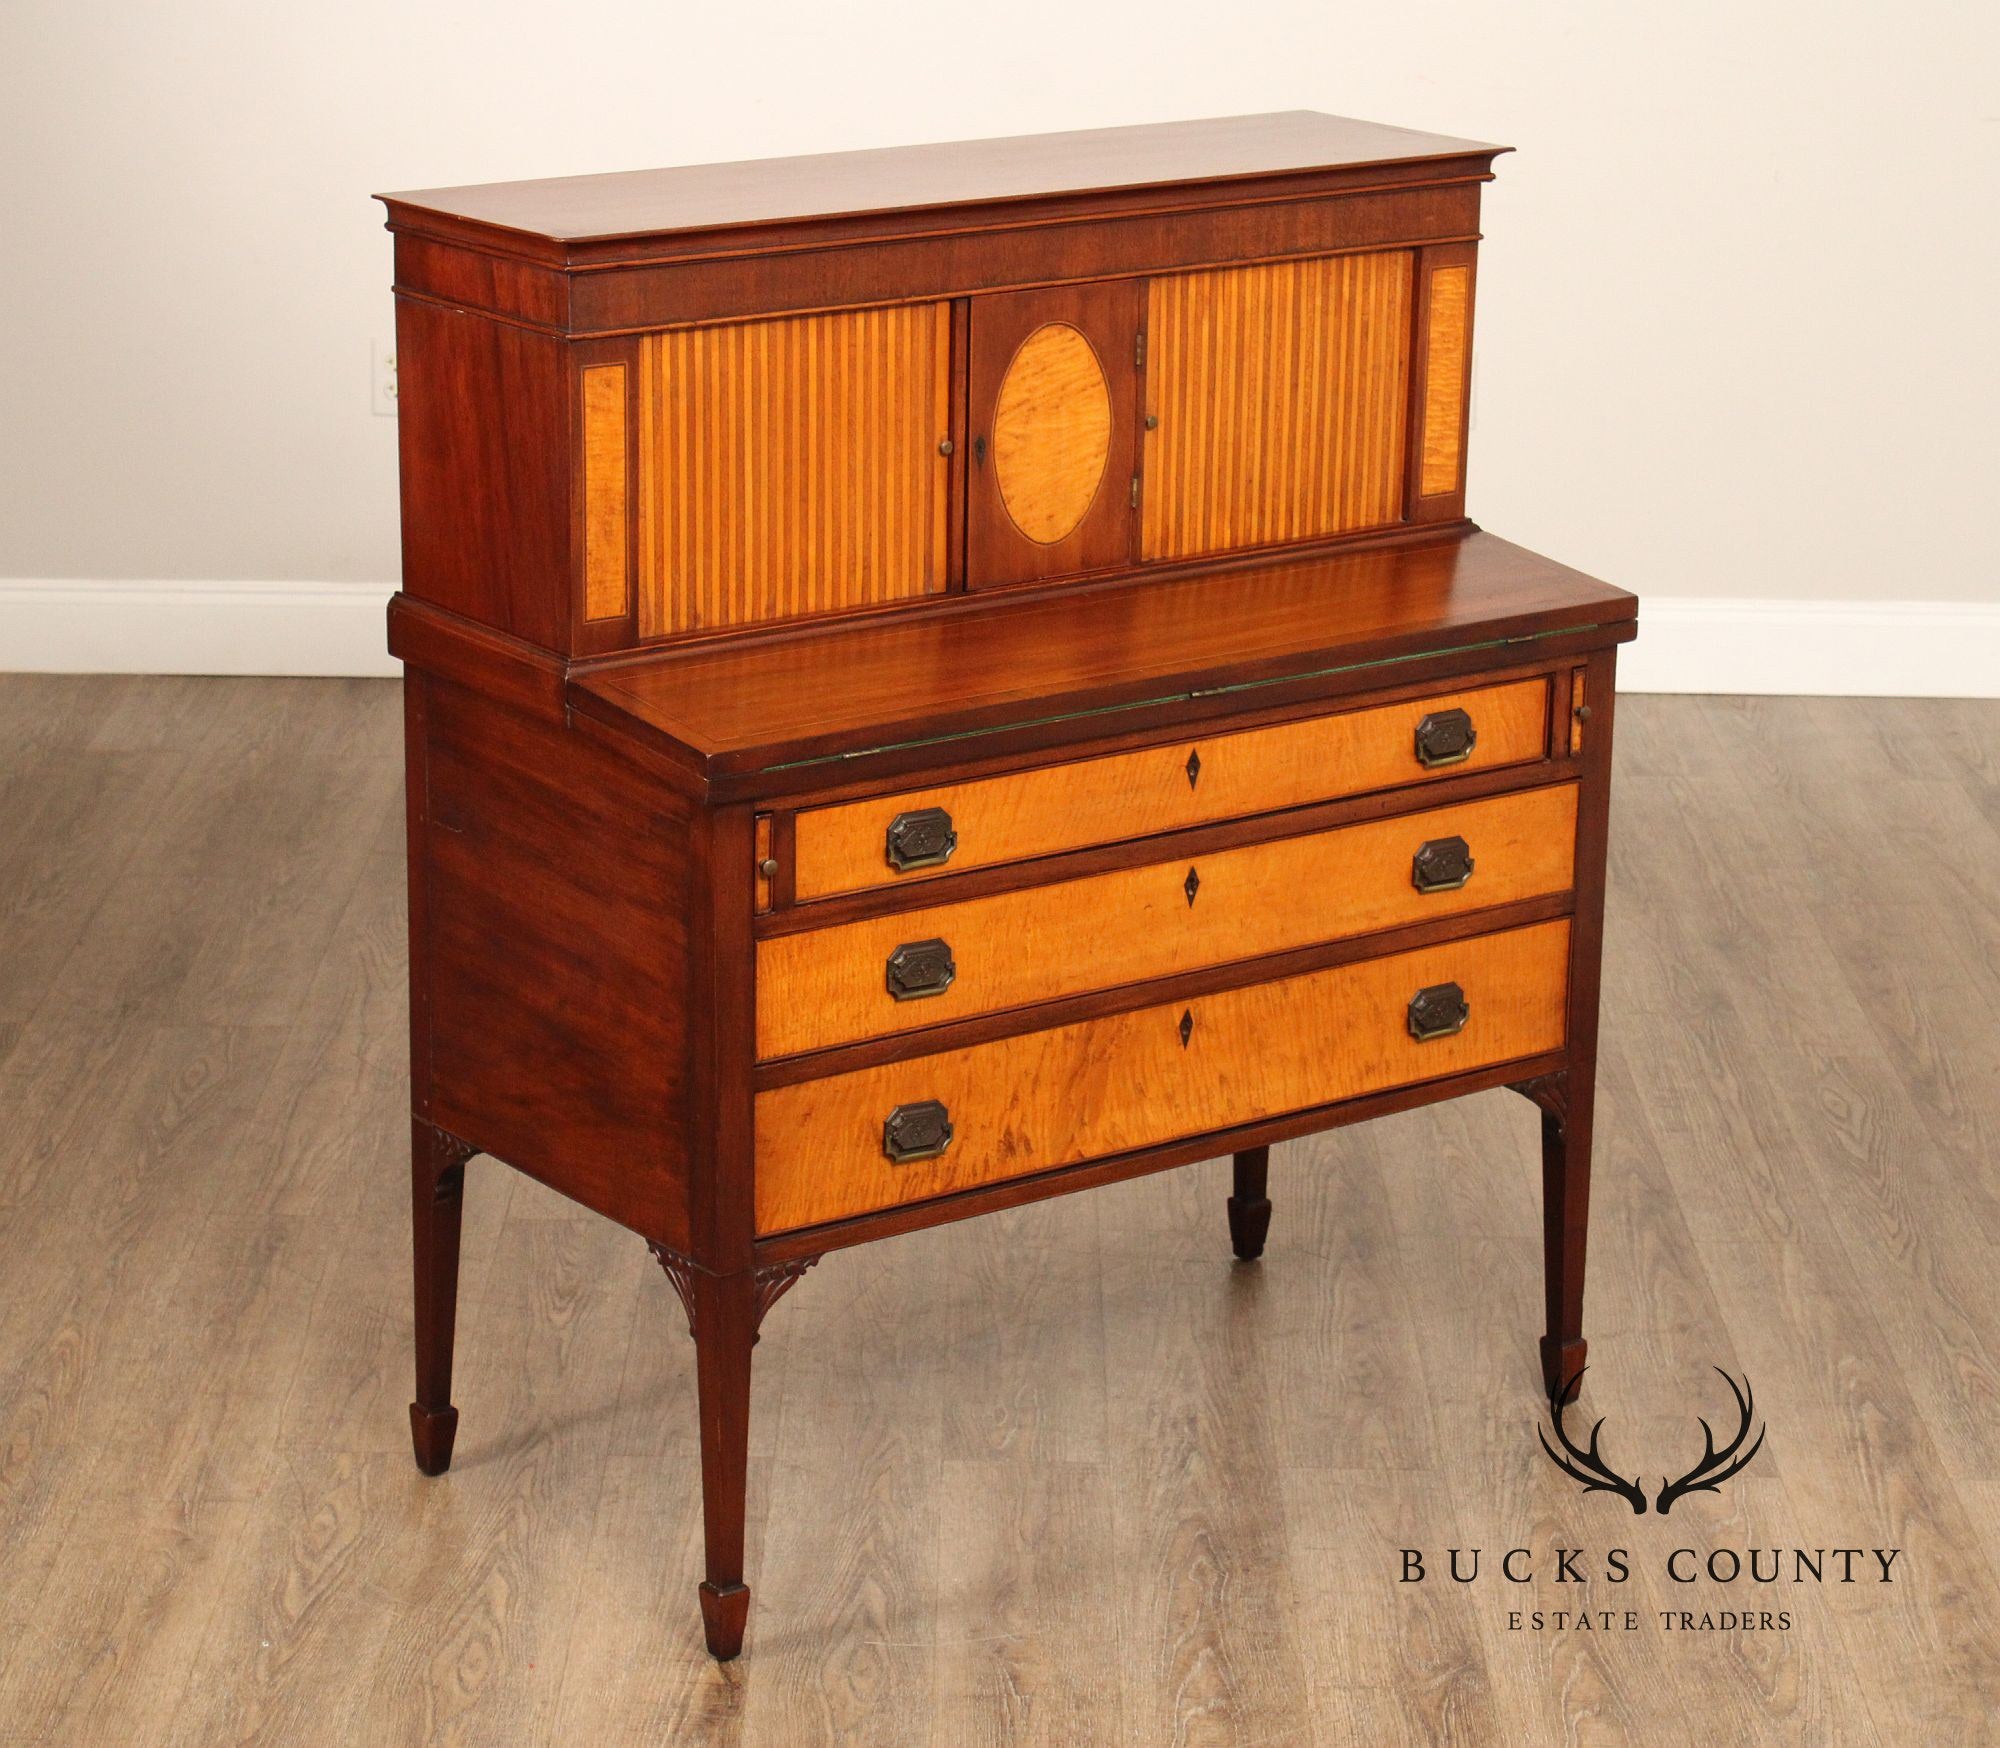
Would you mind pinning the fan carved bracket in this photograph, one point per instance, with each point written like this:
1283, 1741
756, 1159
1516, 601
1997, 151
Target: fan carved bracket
772, 1281
1550, 1092
445, 1156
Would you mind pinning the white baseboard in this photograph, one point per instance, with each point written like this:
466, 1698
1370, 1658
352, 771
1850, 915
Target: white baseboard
80, 626
1863, 649
1852, 649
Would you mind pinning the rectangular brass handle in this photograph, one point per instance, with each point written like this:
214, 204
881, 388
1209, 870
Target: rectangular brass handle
1445, 737
1442, 865
1438, 1012
920, 968
919, 1131
921, 838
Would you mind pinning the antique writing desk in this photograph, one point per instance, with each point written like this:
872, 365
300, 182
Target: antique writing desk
944, 677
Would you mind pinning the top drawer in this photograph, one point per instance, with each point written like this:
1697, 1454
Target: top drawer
1165, 788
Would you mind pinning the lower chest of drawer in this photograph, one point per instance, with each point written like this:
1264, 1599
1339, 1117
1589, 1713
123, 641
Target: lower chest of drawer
906, 1131
913, 968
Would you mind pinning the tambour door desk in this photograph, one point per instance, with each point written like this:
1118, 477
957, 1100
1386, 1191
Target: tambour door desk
940, 678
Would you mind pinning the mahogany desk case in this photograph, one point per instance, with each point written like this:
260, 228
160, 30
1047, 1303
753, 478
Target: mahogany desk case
945, 677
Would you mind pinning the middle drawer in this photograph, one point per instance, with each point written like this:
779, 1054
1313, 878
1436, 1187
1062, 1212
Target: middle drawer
890, 974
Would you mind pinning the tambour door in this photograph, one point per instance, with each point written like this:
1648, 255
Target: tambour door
1277, 401
1051, 484
785, 468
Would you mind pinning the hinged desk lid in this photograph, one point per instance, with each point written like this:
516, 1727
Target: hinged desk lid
974, 670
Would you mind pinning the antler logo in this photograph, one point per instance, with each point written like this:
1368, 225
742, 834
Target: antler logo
1587, 1465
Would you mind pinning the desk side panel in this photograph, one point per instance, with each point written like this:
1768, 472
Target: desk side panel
553, 956
485, 413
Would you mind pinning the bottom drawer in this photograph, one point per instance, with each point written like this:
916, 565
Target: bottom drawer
1043, 1099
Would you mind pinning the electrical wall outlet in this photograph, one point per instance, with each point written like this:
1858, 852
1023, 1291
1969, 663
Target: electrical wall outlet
385, 379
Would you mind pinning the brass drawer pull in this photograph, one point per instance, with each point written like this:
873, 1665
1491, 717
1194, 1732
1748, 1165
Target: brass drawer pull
919, 1131
1445, 737
920, 968
1442, 865
1438, 1012
921, 839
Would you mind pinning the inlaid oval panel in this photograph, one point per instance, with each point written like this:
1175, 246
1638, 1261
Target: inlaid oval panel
1051, 432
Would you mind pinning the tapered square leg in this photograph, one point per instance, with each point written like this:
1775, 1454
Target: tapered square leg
1566, 1102
724, 1316
437, 1205
1249, 1208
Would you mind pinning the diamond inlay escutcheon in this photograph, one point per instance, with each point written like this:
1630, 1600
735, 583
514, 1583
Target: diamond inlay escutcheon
1194, 766
1191, 885
1187, 1026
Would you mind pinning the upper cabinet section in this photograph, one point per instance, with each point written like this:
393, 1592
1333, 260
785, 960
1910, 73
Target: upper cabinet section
682, 403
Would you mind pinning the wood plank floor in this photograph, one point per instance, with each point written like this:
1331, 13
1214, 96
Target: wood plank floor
1089, 1484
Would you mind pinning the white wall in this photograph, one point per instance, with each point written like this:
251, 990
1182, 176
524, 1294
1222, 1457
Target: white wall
1736, 330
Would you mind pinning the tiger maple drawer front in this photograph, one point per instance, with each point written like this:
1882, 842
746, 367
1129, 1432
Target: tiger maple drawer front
920, 967
911, 836
961, 1118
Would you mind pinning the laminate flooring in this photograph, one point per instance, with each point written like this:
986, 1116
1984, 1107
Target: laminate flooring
1064, 1475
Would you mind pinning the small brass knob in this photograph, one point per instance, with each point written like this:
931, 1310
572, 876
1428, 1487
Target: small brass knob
768, 867
1583, 713
1152, 421
944, 446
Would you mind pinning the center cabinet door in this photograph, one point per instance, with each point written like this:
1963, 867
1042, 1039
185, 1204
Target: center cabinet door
1053, 416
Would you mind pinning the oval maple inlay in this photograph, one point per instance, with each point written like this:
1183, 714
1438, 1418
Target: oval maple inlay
1051, 432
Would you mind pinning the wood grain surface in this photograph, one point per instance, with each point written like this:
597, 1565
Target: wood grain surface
792, 467
1276, 398
828, 986
1067, 1474
1447, 342
1051, 410
1051, 432
988, 664
1104, 1086
1133, 795
607, 524
1006, 172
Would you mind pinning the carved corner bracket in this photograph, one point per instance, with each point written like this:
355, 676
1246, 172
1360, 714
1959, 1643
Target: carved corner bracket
776, 1279
679, 1271
444, 1156
770, 1283
1549, 1091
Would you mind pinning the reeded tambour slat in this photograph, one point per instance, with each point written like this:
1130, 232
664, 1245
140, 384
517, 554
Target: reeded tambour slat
1280, 393
792, 467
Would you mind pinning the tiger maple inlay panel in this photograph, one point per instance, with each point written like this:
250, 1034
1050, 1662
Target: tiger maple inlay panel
1447, 356
1051, 432
1281, 399
792, 467
605, 524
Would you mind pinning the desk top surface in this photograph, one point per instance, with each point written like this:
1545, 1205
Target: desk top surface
979, 665
767, 191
